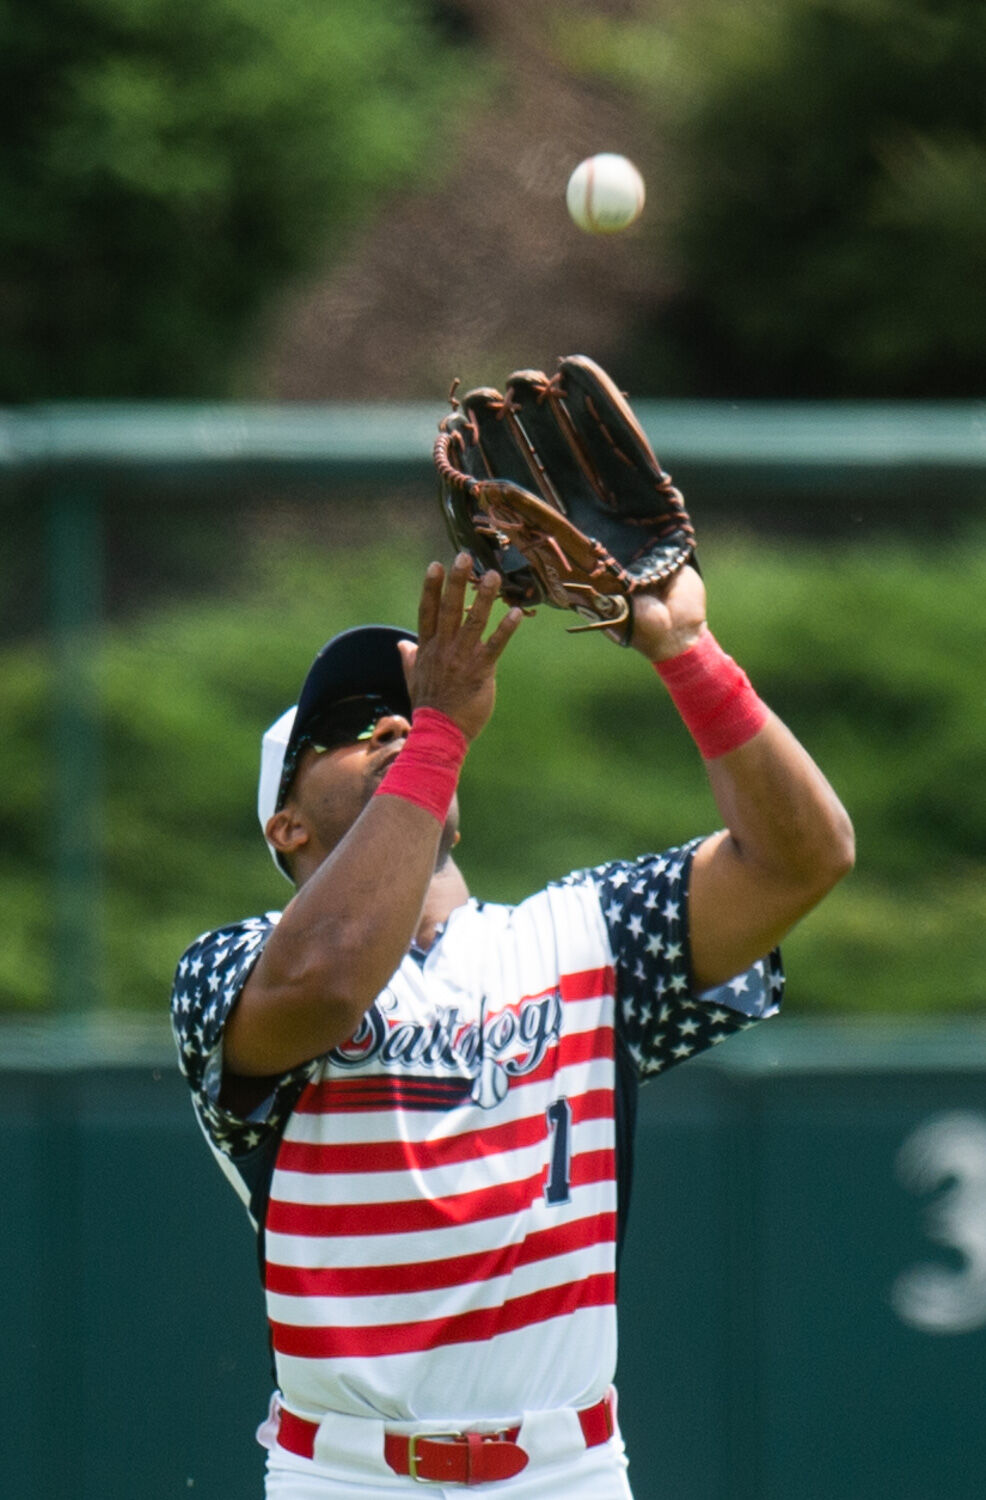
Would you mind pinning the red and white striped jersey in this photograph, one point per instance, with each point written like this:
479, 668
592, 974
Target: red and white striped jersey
439, 1197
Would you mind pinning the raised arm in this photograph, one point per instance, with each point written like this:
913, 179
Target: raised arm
366, 862
787, 838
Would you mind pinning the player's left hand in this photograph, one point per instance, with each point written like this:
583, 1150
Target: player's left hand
670, 617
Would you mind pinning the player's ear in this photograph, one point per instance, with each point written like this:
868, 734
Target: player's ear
286, 831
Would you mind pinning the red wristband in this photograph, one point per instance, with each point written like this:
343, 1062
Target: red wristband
427, 769
713, 696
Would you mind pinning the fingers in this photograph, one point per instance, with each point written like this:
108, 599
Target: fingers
454, 597
407, 650
431, 595
479, 612
503, 632
440, 609
443, 600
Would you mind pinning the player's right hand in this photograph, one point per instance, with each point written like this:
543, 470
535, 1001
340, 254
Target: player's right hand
668, 618
452, 668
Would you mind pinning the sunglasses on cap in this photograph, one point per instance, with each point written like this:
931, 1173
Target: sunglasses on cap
344, 723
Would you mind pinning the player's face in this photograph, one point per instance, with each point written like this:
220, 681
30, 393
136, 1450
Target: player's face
332, 786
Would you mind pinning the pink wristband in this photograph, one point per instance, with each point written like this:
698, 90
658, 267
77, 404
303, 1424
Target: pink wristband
427, 769
714, 697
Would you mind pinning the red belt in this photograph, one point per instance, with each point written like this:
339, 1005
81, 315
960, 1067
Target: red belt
453, 1457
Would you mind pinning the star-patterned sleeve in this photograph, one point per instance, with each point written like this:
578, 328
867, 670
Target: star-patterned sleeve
208, 981
644, 903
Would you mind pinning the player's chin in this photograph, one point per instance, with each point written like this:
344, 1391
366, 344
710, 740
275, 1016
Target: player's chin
375, 775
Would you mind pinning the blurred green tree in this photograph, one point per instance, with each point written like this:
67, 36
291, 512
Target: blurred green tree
584, 760
827, 176
167, 163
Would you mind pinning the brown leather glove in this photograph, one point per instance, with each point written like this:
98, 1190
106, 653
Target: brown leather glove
555, 485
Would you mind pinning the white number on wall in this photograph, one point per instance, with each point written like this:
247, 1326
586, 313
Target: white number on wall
947, 1155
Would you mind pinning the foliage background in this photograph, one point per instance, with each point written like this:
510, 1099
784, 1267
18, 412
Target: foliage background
166, 165
866, 652
170, 172
830, 167
817, 222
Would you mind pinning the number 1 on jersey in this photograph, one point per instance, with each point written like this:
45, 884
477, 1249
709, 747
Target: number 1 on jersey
556, 1189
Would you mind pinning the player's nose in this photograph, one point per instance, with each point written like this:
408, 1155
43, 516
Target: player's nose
390, 727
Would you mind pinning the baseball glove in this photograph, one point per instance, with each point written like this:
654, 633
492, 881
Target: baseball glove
555, 485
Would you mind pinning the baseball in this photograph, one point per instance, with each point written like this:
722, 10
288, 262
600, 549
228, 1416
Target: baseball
605, 193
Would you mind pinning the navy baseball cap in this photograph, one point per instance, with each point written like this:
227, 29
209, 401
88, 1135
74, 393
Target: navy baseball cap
362, 660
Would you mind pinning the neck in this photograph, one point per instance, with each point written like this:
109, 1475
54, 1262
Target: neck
447, 890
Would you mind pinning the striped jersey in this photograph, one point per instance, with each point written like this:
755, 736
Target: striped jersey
441, 1198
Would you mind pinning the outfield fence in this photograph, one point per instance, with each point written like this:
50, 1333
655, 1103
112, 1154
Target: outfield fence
802, 1297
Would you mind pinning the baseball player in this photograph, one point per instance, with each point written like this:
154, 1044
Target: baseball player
425, 1101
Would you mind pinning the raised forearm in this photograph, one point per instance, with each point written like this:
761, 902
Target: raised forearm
787, 838
349, 927
340, 939
365, 875
783, 817
787, 841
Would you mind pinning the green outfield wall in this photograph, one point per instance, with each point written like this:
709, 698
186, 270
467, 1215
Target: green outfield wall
803, 1294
